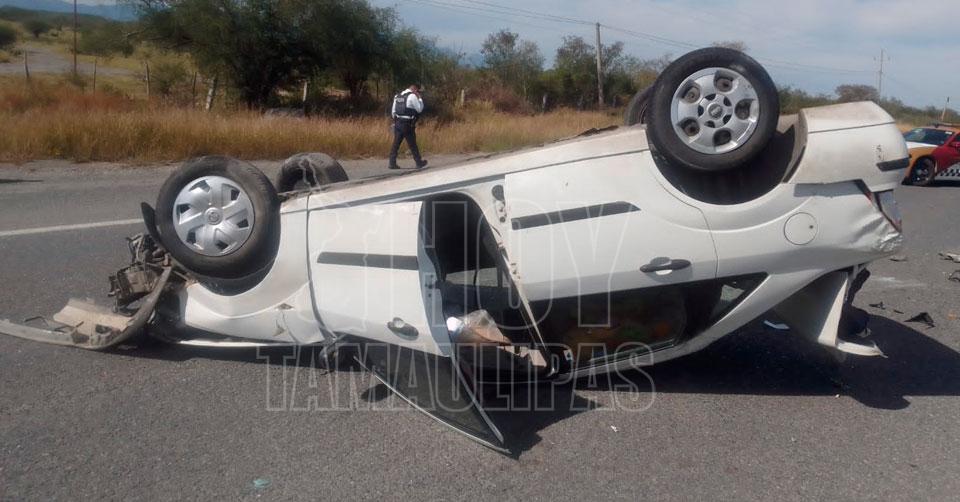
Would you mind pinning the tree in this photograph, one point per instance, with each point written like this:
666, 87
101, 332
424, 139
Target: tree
8, 37
646, 71
350, 38
573, 79
255, 44
856, 92
105, 40
166, 75
263, 45
738, 45
37, 27
515, 62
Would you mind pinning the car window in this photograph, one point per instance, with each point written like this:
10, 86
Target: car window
934, 137
596, 327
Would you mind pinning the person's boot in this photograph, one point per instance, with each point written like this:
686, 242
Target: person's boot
422, 164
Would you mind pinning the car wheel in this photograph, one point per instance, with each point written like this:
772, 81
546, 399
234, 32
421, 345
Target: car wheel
219, 217
923, 172
712, 110
307, 170
637, 108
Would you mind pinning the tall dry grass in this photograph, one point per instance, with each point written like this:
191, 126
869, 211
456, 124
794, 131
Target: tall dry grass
59, 122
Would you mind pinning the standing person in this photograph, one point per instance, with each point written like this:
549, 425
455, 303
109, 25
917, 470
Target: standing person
407, 107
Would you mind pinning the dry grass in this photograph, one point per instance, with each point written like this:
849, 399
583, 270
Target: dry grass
59, 122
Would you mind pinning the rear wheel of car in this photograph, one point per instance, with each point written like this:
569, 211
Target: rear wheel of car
308, 170
712, 110
219, 217
923, 172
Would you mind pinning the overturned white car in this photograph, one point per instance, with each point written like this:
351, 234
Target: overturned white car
555, 262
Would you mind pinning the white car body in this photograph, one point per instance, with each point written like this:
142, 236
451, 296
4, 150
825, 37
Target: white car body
352, 257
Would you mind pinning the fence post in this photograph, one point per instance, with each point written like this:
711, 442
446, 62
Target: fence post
146, 64
193, 90
95, 60
212, 93
26, 65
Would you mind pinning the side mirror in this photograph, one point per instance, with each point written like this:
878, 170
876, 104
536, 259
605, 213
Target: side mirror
956, 144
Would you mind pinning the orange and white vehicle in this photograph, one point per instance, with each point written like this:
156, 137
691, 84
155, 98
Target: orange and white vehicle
934, 154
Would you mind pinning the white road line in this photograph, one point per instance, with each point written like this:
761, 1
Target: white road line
64, 228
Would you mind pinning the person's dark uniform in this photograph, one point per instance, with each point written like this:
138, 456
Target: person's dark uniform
407, 107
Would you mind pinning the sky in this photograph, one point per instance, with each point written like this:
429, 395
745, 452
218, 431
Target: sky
811, 44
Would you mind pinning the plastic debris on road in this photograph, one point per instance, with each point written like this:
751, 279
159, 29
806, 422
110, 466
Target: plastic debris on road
954, 257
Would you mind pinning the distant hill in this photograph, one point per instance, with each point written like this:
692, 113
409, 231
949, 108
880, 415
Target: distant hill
108, 10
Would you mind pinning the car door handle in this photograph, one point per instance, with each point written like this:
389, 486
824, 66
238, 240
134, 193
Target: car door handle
658, 265
400, 327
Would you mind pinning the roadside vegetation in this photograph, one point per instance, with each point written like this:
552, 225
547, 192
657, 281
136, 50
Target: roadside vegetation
268, 78
50, 121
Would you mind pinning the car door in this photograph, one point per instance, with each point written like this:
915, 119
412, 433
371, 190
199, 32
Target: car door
947, 155
602, 225
368, 273
607, 257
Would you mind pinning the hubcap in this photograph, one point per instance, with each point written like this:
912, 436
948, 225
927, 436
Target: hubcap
715, 110
213, 216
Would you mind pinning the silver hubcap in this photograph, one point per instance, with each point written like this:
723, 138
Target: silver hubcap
715, 110
213, 216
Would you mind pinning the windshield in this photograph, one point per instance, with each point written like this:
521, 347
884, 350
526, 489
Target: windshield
935, 137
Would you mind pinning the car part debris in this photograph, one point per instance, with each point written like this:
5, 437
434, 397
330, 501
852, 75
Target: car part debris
955, 276
879, 305
898, 257
776, 326
89, 326
923, 317
86, 325
476, 328
954, 257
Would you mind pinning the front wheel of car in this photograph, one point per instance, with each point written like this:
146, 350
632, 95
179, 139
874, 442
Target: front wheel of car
712, 110
219, 217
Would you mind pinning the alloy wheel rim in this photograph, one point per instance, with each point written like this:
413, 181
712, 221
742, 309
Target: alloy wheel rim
715, 110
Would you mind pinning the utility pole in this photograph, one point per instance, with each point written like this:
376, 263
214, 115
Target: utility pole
943, 114
880, 77
599, 70
74, 38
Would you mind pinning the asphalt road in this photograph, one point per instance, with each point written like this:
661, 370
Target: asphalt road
758, 415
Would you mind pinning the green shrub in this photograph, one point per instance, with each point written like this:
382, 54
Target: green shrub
8, 37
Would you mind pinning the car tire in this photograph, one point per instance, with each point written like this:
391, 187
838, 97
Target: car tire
308, 170
219, 218
637, 108
712, 110
927, 166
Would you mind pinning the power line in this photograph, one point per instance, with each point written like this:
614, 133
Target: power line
534, 13
452, 8
490, 7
